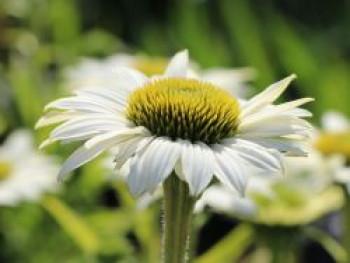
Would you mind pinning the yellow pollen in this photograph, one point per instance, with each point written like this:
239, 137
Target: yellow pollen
189, 109
5, 170
150, 66
334, 143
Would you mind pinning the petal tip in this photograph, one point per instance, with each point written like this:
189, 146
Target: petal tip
293, 76
38, 124
45, 143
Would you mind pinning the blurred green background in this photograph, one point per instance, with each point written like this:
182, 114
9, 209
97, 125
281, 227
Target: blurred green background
309, 38
39, 39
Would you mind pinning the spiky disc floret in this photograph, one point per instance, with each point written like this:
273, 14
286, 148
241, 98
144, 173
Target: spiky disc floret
184, 108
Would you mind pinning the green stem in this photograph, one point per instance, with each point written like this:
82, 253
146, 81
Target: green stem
346, 225
281, 254
178, 206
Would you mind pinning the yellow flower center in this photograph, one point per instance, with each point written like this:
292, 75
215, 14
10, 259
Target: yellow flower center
184, 108
5, 170
150, 66
334, 143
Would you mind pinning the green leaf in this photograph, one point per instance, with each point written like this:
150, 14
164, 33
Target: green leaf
73, 224
194, 29
113, 227
331, 245
231, 247
246, 33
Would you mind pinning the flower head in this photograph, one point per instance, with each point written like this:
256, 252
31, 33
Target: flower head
176, 122
24, 173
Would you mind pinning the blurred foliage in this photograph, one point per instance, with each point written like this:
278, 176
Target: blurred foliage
40, 38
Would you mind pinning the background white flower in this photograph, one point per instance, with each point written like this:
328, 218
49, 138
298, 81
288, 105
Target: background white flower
333, 140
300, 196
24, 173
158, 128
101, 72
333, 121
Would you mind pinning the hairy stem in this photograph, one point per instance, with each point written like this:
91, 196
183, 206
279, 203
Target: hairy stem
178, 206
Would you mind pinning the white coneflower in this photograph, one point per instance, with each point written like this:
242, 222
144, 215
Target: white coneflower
24, 173
101, 72
171, 119
277, 210
333, 141
181, 125
301, 196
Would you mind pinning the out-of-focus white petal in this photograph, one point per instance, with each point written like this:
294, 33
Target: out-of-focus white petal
18, 145
132, 78
223, 199
333, 121
31, 174
178, 65
148, 198
232, 80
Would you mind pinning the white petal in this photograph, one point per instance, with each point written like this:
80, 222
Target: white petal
131, 77
231, 170
86, 127
274, 123
153, 165
80, 157
46, 143
300, 113
291, 105
54, 117
266, 97
196, 164
178, 65
129, 148
275, 111
283, 145
112, 96
276, 127
117, 136
267, 159
84, 105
